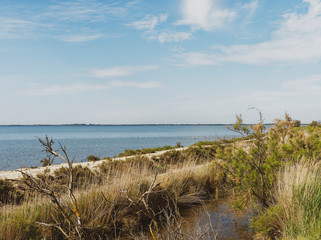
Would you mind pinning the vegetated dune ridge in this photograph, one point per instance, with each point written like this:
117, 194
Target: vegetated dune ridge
276, 172
117, 197
15, 174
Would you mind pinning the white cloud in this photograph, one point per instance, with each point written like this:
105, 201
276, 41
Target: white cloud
205, 14
80, 38
171, 36
69, 89
297, 40
136, 84
149, 22
252, 6
120, 71
18, 28
196, 59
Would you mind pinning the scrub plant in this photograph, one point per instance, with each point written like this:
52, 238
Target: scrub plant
251, 165
296, 211
250, 171
70, 223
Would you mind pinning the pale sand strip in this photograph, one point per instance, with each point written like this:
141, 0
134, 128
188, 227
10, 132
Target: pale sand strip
15, 174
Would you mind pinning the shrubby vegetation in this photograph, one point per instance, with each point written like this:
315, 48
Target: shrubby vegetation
118, 198
131, 152
279, 169
274, 171
315, 124
92, 158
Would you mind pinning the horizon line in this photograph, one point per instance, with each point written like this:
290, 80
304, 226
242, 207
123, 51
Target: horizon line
127, 124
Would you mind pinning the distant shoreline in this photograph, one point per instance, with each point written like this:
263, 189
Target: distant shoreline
80, 124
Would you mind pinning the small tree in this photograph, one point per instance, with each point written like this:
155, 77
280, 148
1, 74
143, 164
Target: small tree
250, 171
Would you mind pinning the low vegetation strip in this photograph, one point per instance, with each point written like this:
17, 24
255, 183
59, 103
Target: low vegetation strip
107, 209
274, 172
14, 174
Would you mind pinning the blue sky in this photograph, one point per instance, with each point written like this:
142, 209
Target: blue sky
147, 61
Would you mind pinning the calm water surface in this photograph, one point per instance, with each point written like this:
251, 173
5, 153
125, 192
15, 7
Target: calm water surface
19, 147
227, 223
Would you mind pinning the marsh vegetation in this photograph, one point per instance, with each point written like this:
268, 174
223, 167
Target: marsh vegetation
274, 173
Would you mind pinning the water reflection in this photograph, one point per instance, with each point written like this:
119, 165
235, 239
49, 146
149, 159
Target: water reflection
226, 223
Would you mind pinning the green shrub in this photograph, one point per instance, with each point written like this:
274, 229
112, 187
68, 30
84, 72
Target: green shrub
296, 212
268, 223
131, 152
315, 124
92, 158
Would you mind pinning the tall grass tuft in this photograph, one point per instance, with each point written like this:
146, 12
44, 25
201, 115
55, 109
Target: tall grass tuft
296, 213
299, 192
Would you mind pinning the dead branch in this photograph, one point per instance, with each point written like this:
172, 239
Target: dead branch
74, 227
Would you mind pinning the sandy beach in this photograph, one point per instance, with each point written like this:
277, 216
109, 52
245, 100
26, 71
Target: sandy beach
15, 174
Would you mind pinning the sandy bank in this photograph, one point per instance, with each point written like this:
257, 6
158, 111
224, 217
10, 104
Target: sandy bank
15, 174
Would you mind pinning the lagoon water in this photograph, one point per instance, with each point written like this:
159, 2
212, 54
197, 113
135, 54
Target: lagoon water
20, 148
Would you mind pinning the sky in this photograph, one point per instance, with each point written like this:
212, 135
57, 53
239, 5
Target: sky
168, 61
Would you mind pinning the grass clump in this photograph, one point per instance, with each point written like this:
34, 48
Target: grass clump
131, 152
296, 213
92, 158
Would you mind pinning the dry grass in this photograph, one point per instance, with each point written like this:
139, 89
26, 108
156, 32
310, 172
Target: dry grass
296, 212
299, 193
103, 201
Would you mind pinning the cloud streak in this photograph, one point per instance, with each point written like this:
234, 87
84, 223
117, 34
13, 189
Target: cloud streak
80, 38
19, 28
69, 89
62, 18
297, 40
170, 36
120, 71
80, 11
149, 22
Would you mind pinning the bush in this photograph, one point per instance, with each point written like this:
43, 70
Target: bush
296, 212
315, 124
92, 158
131, 152
8, 193
296, 123
251, 168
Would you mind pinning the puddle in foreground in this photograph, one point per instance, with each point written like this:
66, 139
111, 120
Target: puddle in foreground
227, 224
